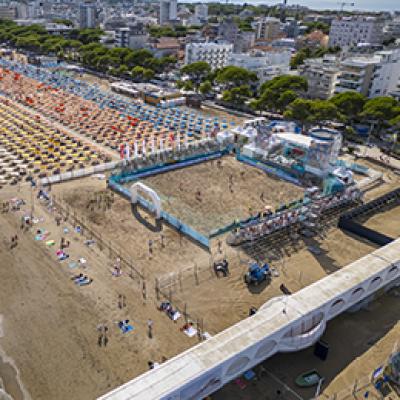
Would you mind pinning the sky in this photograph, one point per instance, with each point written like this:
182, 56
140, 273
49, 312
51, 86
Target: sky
368, 5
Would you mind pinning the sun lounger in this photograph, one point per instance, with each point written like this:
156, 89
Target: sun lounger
206, 335
84, 282
190, 331
175, 316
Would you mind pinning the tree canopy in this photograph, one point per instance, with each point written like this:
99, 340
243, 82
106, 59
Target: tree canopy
299, 110
277, 93
197, 72
349, 104
317, 26
232, 76
83, 45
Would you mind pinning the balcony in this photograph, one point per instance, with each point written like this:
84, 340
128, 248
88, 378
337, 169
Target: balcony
341, 89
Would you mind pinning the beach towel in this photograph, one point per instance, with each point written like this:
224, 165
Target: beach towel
126, 328
50, 243
63, 256
72, 264
190, 331
42, 235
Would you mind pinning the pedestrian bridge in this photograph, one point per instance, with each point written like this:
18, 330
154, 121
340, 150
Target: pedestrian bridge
283, 324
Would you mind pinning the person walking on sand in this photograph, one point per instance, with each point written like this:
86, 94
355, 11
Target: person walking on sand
121, 301
150, 248
105, 336
219, 244
150, 328
102, 339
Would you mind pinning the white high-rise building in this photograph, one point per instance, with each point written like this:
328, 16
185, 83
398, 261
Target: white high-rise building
350, 31
267, 65
387, 75
168, 11
87, 15
215, 54
373, 76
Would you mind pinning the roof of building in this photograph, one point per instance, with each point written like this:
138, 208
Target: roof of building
167, 43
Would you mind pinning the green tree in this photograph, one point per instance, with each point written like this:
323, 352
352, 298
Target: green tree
299, 57
317, 26
196, 72
205, 87
137, 57
188, 86
237, 95
122, 69
148, 74
30, 42
300, 110
137, 73
272, 95
323, 110
63, 21
232, 76
142, 74
350, 104
380, 110
286, 97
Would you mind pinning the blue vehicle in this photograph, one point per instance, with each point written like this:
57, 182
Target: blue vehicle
257, 274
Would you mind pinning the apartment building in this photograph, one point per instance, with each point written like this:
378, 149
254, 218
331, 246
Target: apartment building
268, 28
372, 76
266, 64
215, 54
168, 11
321, 75
350, 31
88, 15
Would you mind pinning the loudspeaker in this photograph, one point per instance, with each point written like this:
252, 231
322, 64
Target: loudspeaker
321, 350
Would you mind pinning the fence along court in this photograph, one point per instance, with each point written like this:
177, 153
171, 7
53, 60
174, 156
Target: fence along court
89, 232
